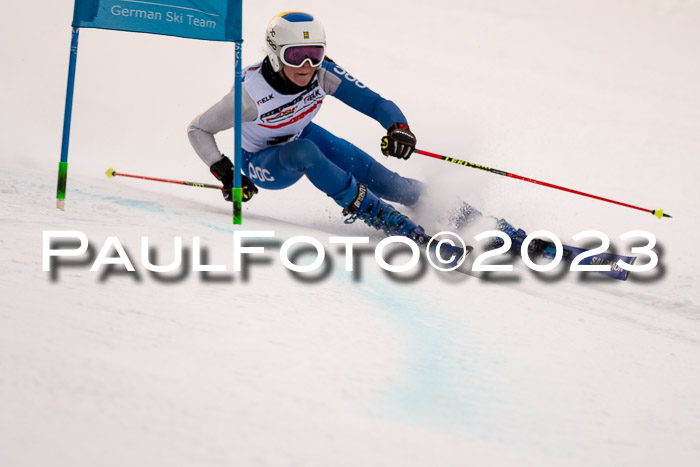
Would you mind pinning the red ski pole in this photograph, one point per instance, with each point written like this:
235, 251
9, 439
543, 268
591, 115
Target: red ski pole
111, 173
657, 212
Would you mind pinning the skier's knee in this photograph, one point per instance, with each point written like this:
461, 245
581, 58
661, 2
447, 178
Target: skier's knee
416, 191
301, 154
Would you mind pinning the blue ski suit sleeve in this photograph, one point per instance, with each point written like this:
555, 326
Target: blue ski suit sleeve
341, 85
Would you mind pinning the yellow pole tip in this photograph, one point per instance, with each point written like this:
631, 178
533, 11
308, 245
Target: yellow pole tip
110, 173
659, 213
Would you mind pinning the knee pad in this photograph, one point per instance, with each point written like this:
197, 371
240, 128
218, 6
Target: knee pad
301, 155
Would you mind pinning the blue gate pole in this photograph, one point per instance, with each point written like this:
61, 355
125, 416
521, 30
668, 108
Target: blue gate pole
237, 156
63, 164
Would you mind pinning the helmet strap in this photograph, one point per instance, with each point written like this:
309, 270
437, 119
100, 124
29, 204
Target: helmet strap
275, 62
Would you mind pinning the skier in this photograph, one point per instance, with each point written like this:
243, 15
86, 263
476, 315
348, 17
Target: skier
280, 143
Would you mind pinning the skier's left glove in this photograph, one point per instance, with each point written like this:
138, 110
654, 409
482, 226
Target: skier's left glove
223, 171
399, 141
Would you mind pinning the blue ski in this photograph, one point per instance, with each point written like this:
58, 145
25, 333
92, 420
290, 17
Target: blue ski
571, 252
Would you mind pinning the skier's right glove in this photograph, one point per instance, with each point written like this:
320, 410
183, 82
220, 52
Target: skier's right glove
223, 171
399, 141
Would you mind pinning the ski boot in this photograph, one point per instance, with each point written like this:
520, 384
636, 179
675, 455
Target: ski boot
517, 236
381, 215
467, 214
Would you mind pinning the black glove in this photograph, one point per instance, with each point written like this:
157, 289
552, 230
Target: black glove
223, 171
399, 141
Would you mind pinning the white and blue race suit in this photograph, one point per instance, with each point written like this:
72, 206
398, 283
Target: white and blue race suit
281, 144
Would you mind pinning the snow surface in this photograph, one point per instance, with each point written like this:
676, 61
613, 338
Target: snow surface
112, 368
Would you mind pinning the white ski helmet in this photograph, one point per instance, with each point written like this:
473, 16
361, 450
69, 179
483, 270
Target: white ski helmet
292, 28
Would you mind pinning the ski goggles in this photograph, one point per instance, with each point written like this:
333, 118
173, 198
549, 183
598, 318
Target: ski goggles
296, 55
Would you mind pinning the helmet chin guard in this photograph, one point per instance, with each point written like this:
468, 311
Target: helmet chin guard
291, 28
